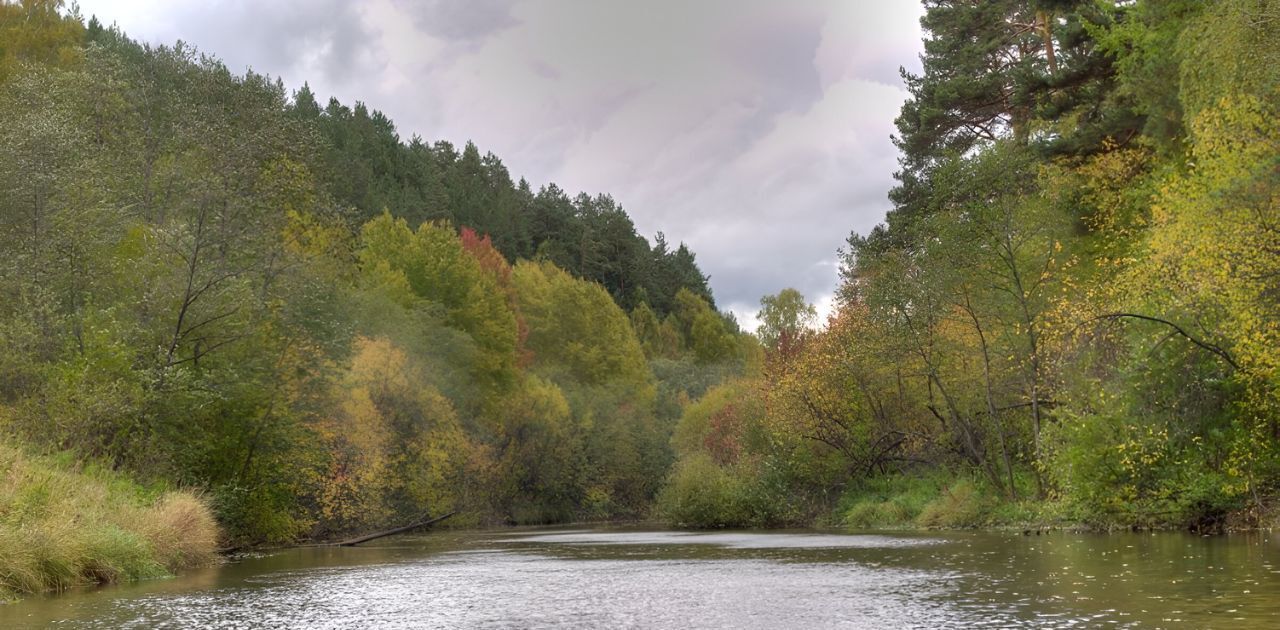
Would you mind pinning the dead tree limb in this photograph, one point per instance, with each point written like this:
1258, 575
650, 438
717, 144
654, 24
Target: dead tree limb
1214, 349
390, 532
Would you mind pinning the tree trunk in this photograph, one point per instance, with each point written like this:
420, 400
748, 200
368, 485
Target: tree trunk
992, 412
1046, 33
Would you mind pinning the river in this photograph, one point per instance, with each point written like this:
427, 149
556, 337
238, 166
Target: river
620, 578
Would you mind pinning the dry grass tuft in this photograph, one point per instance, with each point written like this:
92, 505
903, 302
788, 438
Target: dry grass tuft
182, 531
63, 524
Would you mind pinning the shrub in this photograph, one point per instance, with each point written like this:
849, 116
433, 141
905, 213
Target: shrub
869, 514
700, 493
890, 500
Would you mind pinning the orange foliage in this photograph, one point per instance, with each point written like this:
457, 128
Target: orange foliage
722, 440
490, 259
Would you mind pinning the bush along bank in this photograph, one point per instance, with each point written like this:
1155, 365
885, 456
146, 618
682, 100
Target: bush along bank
701, 494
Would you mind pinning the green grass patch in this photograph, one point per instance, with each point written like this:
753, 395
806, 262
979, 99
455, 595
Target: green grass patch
935, 499
959, 505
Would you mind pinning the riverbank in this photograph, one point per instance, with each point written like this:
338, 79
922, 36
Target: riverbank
942, 501
703, 495
65, 524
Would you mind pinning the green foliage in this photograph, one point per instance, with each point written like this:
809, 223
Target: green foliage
1143, 40
38, 31
928, 499
433, 264
366, 166
328, 328
886, 501
1231, 49
960, 505
703, 331
703, 494
575, 326
1116, 469
731, 470
725, 422
879, 514
1073, 298
784, 316
541, 457
889, 501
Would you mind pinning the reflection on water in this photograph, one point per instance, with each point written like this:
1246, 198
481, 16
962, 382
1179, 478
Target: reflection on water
644, 578
734, 540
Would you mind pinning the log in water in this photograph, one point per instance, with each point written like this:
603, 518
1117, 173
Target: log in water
396, 530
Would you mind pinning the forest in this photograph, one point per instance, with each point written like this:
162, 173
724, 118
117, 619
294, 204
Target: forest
1070, 315
211, 284
217, 291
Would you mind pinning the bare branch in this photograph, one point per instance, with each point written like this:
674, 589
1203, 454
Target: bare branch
1209, 347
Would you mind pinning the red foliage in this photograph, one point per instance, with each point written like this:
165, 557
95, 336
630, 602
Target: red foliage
723, 440
791, 345
490, 259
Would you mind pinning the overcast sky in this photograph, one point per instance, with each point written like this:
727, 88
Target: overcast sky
755, 131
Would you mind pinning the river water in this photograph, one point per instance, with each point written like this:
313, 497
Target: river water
620, 578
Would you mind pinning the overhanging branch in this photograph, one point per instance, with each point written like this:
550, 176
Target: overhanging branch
1204, 345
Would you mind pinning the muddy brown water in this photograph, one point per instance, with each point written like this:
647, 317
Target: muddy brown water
625, 578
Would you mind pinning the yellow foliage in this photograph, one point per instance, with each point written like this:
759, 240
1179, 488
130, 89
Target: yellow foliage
1213, 254
395, 444
430, 264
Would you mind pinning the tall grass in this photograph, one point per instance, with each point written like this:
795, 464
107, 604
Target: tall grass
64, 525
890, 501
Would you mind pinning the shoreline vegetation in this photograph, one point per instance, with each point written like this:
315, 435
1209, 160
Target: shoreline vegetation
1069, 317
66, 524
1070, 314
943, 500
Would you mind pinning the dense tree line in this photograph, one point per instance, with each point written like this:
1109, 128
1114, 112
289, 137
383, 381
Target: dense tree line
1073, 307
368, 169
210, 283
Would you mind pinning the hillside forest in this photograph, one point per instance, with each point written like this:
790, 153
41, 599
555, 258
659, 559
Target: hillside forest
210, 283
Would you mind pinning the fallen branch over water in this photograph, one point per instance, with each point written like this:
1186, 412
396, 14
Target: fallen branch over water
364, 539
226, 551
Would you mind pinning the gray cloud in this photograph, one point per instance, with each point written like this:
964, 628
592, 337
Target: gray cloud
775, 54
460, 20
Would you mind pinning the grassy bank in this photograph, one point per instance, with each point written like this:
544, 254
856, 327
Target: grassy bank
64, 524
702, 494
939, 500
944, 500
